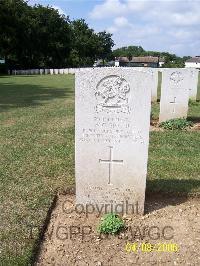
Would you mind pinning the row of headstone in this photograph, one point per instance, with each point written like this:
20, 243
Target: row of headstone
46, 71
189, 75
112, 121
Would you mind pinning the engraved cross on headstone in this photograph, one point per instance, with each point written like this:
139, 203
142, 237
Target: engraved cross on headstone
110, 162
174, 102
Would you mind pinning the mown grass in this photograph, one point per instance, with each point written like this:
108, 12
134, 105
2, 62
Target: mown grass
37, 157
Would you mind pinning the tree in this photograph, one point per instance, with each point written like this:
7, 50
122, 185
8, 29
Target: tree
13, 19
38, 36
50, 37
84, 44
105, 45
129, 51
33, 36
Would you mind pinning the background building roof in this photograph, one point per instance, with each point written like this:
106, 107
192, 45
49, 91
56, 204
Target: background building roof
195, 59
141, 59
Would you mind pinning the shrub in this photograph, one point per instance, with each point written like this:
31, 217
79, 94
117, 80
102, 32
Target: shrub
173, 124
110, 224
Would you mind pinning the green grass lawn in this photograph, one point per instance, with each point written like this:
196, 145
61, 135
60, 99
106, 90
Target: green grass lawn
37, 157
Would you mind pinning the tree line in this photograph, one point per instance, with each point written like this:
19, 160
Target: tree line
171, 60
38, 37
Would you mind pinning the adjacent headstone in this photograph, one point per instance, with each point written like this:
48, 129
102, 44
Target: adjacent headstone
193, 85
51, 71
76, 70
41, 71
55, 71
66, 71
71, 71
154, 75
174, 94
47, 71
61, 71
112, 136
154, 89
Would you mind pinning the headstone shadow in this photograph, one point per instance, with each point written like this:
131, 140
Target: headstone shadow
159, 198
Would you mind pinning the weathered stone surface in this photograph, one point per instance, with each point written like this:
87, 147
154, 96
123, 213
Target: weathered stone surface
112, 136
174, 94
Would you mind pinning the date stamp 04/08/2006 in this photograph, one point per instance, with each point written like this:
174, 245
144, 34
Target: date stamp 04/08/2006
149, 247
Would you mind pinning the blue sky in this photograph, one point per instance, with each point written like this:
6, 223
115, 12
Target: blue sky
160, 25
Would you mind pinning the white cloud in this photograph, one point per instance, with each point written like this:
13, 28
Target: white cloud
60, 10
155, 24
186, 19
107, 9
112, 29
121, 22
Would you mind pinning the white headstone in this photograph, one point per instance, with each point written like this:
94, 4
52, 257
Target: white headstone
194, 76
174, 94
112, 136
154, 75
41, 71
51, 71
154, 89
46, 71
66, 71
61, 71
71, 71
55, 71
76, 70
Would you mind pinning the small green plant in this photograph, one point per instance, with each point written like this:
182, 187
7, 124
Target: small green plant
178, 123
193, 103
110, 224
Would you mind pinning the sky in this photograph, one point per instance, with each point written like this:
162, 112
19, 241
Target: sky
157, 25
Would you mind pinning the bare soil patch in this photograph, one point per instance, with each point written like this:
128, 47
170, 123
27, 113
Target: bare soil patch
72, 239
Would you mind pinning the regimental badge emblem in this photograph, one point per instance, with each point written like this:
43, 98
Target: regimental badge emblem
176, 77
112, 94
